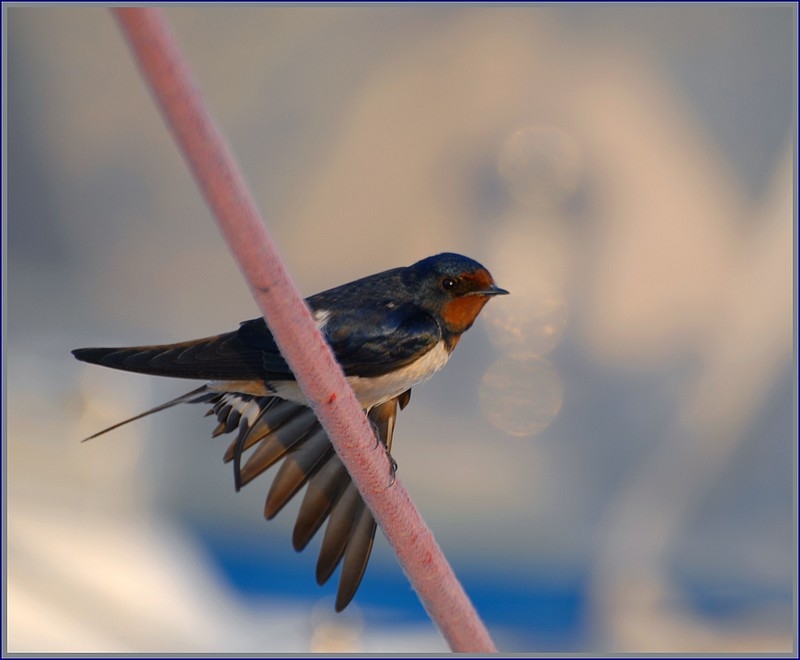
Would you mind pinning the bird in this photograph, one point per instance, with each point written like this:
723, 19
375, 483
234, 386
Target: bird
389, 332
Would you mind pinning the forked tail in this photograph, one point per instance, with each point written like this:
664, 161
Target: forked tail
199, 395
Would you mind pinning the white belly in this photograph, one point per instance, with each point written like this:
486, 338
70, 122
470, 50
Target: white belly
373, 391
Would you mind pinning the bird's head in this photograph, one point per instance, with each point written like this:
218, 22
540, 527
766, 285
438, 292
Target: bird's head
454, 288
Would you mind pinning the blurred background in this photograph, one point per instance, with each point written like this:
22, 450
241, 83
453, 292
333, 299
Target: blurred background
608, 459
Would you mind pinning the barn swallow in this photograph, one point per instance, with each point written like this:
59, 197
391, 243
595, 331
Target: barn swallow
388, 331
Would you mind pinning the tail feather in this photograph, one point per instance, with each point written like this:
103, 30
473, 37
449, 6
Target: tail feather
269, 430
324, 490
296, 469
356, 556
274, 413
195, 396
337, 532
275, 445
289, 431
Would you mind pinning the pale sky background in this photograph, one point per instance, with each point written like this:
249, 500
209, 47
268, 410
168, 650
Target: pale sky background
608, 460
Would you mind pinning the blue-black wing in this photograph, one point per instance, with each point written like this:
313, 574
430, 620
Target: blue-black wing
366, 342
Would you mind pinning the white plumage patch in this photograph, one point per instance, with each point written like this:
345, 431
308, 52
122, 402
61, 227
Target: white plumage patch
369, 391
376, 390
244, 404
248, 409
321, 317
373, 391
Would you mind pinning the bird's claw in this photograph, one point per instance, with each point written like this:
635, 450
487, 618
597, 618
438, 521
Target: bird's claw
376, 432
392, 462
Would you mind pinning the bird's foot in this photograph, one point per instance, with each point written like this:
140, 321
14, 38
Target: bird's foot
392, 469
392, 462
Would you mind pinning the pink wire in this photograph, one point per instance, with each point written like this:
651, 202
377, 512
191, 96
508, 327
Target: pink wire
289, 319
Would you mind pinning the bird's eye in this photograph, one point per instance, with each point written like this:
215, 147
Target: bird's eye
448, 283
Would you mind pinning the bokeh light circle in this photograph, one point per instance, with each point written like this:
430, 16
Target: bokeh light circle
532, 256
530, 326
521, 397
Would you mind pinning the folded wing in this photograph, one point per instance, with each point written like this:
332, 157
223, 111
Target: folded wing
366, 342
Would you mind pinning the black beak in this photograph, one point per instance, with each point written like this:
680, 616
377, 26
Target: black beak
494, 291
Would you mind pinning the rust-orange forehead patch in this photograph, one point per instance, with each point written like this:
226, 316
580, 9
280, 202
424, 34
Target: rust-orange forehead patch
480, 279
